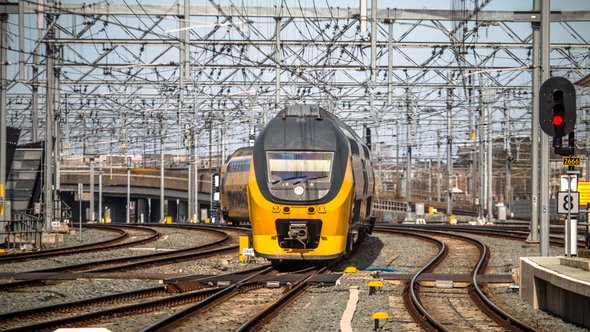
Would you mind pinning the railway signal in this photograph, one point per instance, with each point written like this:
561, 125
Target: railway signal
557, 106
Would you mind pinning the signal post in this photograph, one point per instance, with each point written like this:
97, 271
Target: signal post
557, 108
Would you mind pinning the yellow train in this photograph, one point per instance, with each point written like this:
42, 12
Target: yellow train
310, 187
234, 179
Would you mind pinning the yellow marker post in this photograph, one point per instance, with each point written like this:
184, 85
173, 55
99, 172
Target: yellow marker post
244, 244
378, 316
350, 269
373, 285
452, 220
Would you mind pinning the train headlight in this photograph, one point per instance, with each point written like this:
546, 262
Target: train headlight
299, 190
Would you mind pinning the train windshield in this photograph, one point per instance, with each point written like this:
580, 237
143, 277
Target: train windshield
299, 166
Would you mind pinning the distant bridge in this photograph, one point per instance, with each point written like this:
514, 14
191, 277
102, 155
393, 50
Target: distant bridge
144, 193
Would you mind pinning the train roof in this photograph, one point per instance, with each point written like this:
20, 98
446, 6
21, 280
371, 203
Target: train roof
240, 152
308, 111
315, 111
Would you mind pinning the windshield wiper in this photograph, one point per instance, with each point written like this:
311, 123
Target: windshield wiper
289, 178
312, 178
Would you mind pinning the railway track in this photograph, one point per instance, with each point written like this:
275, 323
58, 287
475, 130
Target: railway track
126, 263
257, 304
451, 308
247, 297
503, 231
110, 244
102, 309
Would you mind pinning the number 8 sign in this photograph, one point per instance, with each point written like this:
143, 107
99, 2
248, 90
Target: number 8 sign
568, 202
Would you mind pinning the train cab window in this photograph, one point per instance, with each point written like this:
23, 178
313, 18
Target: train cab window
304, 166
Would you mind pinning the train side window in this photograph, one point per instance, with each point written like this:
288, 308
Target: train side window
366, 180
366, 151
354, 147
369, 207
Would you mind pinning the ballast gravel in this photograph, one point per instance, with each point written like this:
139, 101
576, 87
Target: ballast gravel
320, 308
171, 239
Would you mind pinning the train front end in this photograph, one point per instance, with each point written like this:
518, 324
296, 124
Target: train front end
300, 189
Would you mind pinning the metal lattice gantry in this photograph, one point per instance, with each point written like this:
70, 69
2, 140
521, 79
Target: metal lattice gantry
125, 68
127, 75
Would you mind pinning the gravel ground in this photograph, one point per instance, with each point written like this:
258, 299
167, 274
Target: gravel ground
400, 253
89, 235
172, 238
405, 254
321, 308
505, 256
68, 291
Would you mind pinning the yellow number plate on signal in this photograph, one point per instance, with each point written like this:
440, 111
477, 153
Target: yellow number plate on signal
570, 160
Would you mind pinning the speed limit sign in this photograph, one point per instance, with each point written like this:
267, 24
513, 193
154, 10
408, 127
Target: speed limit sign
568, 202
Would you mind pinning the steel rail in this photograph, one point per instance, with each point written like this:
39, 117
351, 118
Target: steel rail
68, 306
155, 258
411, 298
132, 262
495, 231
178, 317
493, 311
111, 298
483, 302
137, 308
272, 309
70, 250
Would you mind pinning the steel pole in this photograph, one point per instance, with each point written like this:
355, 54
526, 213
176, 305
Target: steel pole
398, 182
49, 104
390, 62
544, 165
91, 219
490, 146
534, 230
162, 212
449, 172
196, 170
128, 214
482, 156
277, 61
508, 149
35, 97
438, 175
191, 182
100, 194
408, 156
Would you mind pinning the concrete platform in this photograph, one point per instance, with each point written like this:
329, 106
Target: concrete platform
550, 285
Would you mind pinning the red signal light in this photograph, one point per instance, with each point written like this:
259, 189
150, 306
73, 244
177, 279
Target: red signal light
557, 120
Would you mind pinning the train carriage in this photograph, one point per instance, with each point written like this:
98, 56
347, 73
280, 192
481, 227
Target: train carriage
234, 180
310, 188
